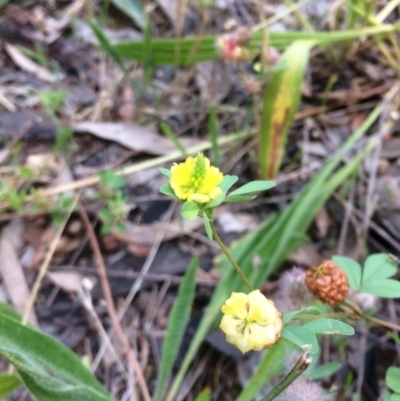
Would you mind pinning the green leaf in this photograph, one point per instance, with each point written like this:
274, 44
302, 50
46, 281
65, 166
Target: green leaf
167, 190
239, 198
205, 395
189, 211
8, 384
227, 182
106, 228
351, 268
329, 326
215, 202
49, 369
165, 172
325, 370
310, 310
378, 266
386, 395
395, 397
301, 336
121, 227
385, 288
208, 227
111, 179
178, 320
133, 9
105, 214
253, 186
392, 378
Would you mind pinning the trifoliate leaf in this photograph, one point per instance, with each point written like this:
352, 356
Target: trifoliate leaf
329, 326
253, 186
351, 268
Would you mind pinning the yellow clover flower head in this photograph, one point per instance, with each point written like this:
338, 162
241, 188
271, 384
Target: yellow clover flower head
251, 321
196, 180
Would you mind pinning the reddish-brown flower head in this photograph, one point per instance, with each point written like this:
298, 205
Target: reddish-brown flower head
327, 282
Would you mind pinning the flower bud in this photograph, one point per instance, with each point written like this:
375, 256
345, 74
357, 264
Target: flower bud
327, 282
251, 321
231, 50
292, 291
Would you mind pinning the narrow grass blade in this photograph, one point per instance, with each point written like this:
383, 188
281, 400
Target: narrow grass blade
271, 365
107, 46
176, 327
171, 135
274, 240
281, 101
162, 51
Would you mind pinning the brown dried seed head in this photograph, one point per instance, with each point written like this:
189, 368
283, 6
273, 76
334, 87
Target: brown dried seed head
327, 282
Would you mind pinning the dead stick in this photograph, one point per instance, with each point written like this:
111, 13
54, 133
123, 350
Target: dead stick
110, 305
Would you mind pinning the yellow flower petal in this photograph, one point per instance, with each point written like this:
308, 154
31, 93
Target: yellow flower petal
251, 322
196, 180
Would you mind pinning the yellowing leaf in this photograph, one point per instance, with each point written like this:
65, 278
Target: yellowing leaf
281, 100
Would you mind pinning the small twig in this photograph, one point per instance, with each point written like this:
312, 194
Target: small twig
138, 282
111, 307
46, 263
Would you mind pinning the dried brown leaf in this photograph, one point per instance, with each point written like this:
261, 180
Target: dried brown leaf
132, 136
13, 276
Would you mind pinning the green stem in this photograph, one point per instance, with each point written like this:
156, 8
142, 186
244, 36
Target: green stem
229, 256
302, 364
372, 319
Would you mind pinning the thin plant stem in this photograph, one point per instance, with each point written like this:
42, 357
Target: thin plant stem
301, 365
381, 322
229, 256
372, 319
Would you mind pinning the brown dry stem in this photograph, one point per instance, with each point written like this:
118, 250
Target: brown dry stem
133, 362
